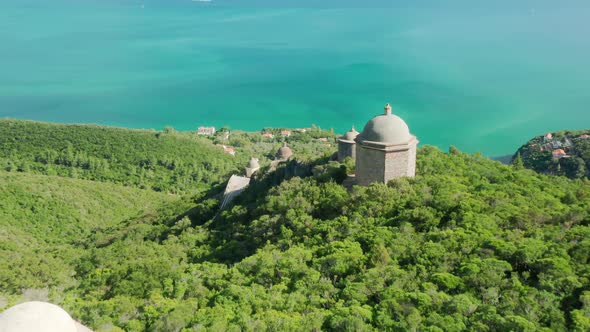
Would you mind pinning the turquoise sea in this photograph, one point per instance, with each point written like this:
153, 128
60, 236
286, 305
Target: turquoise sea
481, 75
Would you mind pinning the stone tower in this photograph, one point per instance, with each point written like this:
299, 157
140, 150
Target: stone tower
347, 145
253, 167
284, 153
385, 150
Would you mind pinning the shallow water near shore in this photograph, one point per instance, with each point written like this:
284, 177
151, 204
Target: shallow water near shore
480, 78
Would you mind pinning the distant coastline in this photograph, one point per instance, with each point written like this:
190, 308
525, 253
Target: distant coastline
506, 159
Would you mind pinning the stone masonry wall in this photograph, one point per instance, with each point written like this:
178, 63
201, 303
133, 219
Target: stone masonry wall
396, 164
370, 165
412, 160
346, 150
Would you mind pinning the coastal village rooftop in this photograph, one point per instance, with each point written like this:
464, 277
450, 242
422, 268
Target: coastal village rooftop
206, 131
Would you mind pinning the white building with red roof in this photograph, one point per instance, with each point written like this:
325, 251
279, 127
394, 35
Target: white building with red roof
206, 130
268, 135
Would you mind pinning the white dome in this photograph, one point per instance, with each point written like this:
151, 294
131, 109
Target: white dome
36, 317
253, 163
350, 135
386, 128
284, 152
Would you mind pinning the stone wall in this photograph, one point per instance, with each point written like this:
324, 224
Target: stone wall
396, 164
401, 163
346, 150
412, 160
381, 164
370, 165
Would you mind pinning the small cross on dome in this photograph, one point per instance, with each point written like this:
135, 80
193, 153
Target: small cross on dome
387, 109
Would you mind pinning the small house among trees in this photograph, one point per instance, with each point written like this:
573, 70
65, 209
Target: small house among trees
206, 131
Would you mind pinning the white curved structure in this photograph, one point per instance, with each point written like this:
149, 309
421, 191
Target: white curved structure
38, 317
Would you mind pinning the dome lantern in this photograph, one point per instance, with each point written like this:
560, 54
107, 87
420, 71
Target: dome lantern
387, 109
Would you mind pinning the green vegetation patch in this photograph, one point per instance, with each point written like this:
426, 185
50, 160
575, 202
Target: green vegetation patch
161, 161
45, 223
469, 244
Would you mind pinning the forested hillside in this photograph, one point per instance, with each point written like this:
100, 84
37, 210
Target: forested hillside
564, 153
469, 244
161, 161
45, 223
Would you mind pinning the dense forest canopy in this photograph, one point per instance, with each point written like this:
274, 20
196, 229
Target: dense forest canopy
162, 161
45, 220
469, 244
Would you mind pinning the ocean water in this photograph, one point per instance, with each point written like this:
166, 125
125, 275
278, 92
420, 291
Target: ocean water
481, 77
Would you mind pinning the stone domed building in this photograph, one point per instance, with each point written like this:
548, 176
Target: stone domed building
38, 317
253, 167
347, 145
385, 150
284, 153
